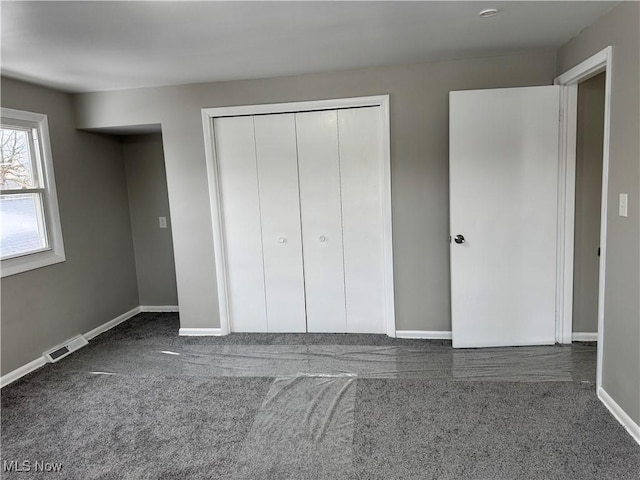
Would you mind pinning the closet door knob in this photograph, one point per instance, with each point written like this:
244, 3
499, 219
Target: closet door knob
323, 238
282, 240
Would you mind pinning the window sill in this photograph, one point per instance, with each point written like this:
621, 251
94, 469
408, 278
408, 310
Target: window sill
12, 266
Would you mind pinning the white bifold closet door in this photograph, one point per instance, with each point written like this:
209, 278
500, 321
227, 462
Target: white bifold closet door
260, 204
276, 152
360, 148
238, 179
321, 215
302, 220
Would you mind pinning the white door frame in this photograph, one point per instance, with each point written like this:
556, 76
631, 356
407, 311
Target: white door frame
208, 114
569, 80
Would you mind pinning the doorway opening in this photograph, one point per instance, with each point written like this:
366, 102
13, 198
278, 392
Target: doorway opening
588, 200
592, 79
146, 179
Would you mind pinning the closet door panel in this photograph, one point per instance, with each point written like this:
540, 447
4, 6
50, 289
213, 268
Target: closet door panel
236, 156
360, 134
319, 173
275, 140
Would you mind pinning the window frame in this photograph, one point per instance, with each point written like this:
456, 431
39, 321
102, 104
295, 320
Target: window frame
43, 163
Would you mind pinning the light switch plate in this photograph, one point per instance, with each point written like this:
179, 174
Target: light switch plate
623, 205
163, 222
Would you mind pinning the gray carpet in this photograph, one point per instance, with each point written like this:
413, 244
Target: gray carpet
139, 402
407, 429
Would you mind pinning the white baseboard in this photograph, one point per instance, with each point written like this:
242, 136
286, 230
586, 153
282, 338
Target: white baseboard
112, 323
200, 332
625, 420
22, 371
584, 337
433, 335
159, 308
40, 361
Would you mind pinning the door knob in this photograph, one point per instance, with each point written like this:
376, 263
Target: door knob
323, 238
282, 240
459, 239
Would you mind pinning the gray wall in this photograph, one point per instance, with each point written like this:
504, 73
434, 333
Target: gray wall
419, 170
148, 200
590, 135
621, 364
42, 308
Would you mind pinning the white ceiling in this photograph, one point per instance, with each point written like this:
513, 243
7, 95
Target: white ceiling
92, 46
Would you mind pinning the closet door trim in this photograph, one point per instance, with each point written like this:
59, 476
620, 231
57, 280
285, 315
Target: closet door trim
213, 178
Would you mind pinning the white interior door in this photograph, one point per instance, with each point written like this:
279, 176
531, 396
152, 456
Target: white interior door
360, 147
235, 150
275, 140
503, 201
321, 214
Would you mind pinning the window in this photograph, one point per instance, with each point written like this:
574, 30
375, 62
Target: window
30, 233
